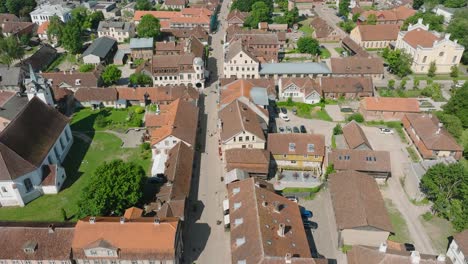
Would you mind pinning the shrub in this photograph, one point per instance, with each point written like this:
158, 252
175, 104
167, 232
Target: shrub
427, 216
139, 110
145, 146
391, 84
86, 68
337, 130
356, 117
101, 121
454, 71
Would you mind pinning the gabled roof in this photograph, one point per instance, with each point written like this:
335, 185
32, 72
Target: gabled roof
420, 37
21, 153
294, 68
426, 128
390, 104
181, 122
321, 27
70, 78
100, 47
236, 118
178, 170
360, 160
357, 65
379, 32
462, 241
237, 47
96, 94
355, 136
249, 160
42, 29
140, 43
306, 84
347, 85
357, 201
15, 27
279, 144
5, 17
364, 254
236, 16
158, 94
243, 87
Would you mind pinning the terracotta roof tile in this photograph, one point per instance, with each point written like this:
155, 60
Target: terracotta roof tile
279, 144
249, 160
357, 201
236, 118
379, 32
391, 104
321, 27
178, 170
237, 16
355, 136
420, 37
357, 65
234, 89
462, 240
158, 94
74, 79
96, 94
16, 27
306, 85
363, 254
361, 160
347, 85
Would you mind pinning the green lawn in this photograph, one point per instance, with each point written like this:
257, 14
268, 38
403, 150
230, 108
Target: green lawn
80, 164
308, 111
324, 53
439, 77
386, 92
399, 224
60, 58
312, 191
115, 119
413, 155
340, 50
439, 230
305, 27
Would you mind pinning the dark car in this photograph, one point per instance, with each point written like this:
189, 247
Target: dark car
281, 129
409, 247
305, 213
295, 129
310, 225
157, 179
303, 129
284, 110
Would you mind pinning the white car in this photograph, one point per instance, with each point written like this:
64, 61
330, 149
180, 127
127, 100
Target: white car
284, 117
386, 131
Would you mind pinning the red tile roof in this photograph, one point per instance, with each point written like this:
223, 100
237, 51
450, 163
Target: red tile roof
390, 104
379, 32
420, 37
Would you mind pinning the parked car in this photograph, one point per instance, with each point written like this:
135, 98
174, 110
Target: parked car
284, 110
288, 129
292, 198
296, 130
281, 129
303, 129
409, 247
386, 131
157, 179
284, 117
305, 213
310, 225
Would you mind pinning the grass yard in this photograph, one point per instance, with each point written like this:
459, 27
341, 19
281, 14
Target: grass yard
340, 50
305, 27
309, 111
60, 58
312, 191
324, 53
438, 230
412, 153
399, 224
439, 77
386, 92
80, 164
115, 119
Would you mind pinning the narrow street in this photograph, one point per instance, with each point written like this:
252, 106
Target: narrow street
207, 242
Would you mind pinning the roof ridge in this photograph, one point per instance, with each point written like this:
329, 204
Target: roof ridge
258, 218
240, 115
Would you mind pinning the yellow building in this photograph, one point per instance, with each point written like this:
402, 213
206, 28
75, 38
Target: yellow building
428, 46
297, 151
374, 36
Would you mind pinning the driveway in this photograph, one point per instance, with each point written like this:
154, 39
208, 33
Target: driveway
328, 14
324, 240
335, 113
394, 191
313, 126
130, 139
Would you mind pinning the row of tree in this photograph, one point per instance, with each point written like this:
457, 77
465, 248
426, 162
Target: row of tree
20, 8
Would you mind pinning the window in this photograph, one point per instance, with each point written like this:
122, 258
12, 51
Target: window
236, 190
28, 185
238, 221
424, 59
292, 146
293, 162
240, 241
93, 252
454, 59
253, 138
237, 205
310, 147
240, 139
247, 138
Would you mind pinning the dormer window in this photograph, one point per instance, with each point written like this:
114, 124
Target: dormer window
238, 221
30, 247
77, 82
240, 241
237, 205
310, 147
292, 146
236, 190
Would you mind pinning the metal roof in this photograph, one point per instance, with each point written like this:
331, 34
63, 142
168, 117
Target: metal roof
259, 95
138, 43
100, 47
295, 68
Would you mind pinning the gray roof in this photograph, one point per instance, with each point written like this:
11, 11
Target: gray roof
10, 76
50, 10
139, 43
100, 47
119, 55
259, 95
13, 106
295, 68
116, 25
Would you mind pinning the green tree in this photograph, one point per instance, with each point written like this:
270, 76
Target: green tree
356, 17
86, 68
371, 19
457, 29
140, 79
432, 69
403, 84
93, 19
446, 186
80, 15
452, 123
260, 13
148, 27
111, 74
455, 3
114, 187
308, 45
356, 117
337, 130
71, 37
391, 84
282, 5
435, 22
242, 5
454, 71
291, 17
343, 8
464, 142
20, 8
143, 5
458, 105
399, 62
417, 4
55, 28
10, 50
347, 25
433, 90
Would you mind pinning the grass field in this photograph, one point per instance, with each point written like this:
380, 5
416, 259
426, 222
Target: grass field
80, 164
413, 155
399, 224
305, 27
324, 53
115, 119
385, 92
439, 230
309, 111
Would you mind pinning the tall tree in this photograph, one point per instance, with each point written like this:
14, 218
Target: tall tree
432, 69
260, 13
308, 45
417, 4
79, 15
457, 29
93, 19
140, 79
398, 61
111, 74
71, 37
55, 28
435, 22
148, 27
143, 5
10, 50
114, 187
455, 3
343, 8
458, 105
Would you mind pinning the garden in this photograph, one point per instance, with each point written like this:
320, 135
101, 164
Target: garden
120, 120
308, 111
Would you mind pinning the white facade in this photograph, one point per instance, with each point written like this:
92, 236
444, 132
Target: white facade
455, 254
91, 59
241, 66
244, 140
444, 52
195, 78
26, 188
117, 33
447, 14
298, 94
44, 12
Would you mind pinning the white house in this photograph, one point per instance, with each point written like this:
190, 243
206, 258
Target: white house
117, 30
31, 164
239, 62
458, 249
304, 90
446, 12
185, 69
44, 12
241, 127
429, 46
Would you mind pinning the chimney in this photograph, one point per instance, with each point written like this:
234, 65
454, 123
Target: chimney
51, 229
281, 229
447, 36
264, 203
439, 127
122, 220
383, 247
156, 221
277, 207
287, 258
441, 258
415, 257
92, 220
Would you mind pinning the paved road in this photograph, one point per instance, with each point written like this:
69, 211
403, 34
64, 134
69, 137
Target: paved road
328, 14
207, 242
